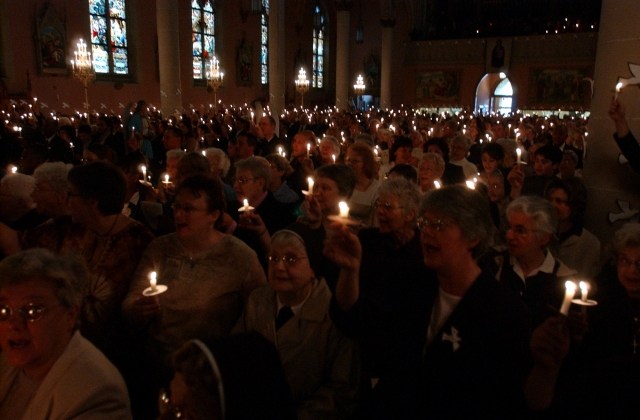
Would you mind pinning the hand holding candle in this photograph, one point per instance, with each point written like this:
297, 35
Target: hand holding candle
519, 153
584, 300
619, 87
154, 288
245, 206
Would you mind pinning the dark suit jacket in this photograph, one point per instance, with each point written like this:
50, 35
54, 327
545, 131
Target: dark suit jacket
59, 150
630, 149
269, 147
481, 377
453, 174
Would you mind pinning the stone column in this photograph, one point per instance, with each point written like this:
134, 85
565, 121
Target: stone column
608, 181
385, 62
169, 56
342, 54
276, 59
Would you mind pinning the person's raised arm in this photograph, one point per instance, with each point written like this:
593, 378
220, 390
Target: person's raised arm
617, 112
344, 249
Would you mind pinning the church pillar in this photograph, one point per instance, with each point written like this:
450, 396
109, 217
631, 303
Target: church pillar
276, 59
169, 56
607, 180
342, 54
385, 62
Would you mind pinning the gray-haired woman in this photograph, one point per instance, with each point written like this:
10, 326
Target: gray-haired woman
47, 369
454, 342
292, 312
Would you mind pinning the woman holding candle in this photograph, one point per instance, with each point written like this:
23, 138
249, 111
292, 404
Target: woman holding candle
528, 267
333, 184
598, 378
361, 159
209, 274
329, 150
430, 170
453, 342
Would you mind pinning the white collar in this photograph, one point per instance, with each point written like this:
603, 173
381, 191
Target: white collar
546, 267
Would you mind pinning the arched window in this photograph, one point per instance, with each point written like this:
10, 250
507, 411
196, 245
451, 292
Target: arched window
317, 80
202, 36
264, 41
108, 19
503, 97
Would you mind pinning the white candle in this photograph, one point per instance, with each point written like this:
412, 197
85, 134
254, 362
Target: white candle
166, 179
245, 203
334, 158
204, 153
471, 185
584, 288
344, 209
437, 184
310, 180
308, 149
153, 280
519, 153
144, 173
568, 296
279, 150
618, 88
14, 169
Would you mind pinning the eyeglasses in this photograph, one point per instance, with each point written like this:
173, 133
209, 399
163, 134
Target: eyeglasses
520, 230
438, 224
242, 180
29, 312
626, 264
187, 209
288, 259
385, 205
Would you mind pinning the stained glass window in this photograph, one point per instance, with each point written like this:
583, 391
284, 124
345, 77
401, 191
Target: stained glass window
202, 36
317, 77
264, 43
108, 20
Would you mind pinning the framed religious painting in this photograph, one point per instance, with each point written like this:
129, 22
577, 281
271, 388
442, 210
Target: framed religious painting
244, 64
559, 86
442, 86
498, 55
51, 43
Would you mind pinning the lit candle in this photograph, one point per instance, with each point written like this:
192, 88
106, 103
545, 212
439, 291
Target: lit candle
153, 280
344, 209
519, 153
14, 169
279, 150
308, 149
144, 173
334, 158
166, 179
568, 296
310, 181
204, 153
246, 206
471, 185
437, 184
584, 288
618, 89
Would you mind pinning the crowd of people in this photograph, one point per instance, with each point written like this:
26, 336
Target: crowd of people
380, 264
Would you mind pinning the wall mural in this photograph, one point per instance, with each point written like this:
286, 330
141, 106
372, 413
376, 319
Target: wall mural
558, 86
438, 86
51, 41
